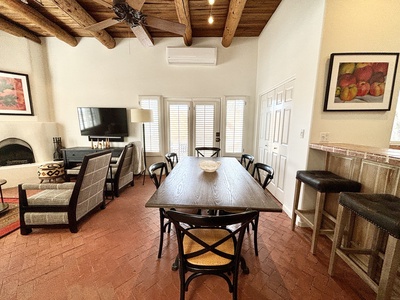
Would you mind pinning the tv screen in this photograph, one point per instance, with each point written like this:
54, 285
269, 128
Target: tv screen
103, 121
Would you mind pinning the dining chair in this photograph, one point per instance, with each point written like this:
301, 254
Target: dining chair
207, 151
172, 159
157, 172
246, 160
209, 247
263, 174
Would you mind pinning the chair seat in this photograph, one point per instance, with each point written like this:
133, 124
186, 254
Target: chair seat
210, 237
328, 182
382, 210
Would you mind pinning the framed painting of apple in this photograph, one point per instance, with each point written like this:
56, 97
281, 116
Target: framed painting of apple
360, 81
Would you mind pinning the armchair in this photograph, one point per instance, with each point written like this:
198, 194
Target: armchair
121, 173
64, 204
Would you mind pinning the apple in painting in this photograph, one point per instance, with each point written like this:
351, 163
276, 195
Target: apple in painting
363, 71
337, 92
346, 68
362, 88
346, 79
377, 77
348, 93
380, 67
377, 89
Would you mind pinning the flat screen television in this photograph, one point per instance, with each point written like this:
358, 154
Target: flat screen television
103, 122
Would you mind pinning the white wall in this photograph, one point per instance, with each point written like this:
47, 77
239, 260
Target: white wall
92, 75
289, 47
356, 26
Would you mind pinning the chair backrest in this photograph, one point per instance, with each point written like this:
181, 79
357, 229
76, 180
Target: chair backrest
172, 159
207, 244
89, 186
124, 170
207, 151
246, 160
266, 171
160, 168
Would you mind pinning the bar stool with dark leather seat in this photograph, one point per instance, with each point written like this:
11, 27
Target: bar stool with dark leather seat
323, 182
382, 210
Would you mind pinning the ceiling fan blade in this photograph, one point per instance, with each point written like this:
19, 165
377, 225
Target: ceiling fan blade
143, 36
136, 4
165, 25
101, 25
104, 3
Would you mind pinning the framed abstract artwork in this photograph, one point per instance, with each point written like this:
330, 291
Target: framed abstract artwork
360, 81
15, 97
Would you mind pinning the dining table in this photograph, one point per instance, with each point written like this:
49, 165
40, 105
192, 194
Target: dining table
231, 187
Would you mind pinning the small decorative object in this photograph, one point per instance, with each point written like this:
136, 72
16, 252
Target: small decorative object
209, 165
360, 81
57, 155
15, 97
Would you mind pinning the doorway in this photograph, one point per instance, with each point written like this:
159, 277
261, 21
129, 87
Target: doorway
192, 123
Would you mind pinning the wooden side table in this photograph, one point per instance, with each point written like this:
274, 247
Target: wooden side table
3, 206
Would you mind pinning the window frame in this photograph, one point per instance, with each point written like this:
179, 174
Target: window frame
159, 99
224, 127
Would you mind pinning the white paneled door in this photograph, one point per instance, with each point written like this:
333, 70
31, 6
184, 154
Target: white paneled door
192, 123
273, 133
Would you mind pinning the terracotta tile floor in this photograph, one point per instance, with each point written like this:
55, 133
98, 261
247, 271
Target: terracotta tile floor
114, 256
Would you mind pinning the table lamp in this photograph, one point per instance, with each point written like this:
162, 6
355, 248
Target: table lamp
139, 115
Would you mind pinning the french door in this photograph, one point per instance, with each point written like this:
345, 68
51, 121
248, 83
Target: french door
192, 123
273, 142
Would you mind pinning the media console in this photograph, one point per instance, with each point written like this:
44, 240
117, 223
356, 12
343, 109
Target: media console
74, 156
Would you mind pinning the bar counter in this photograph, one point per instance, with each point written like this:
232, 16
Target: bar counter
378, 171
384, 155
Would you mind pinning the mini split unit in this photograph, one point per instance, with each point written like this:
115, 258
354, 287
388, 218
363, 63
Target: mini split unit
191, 56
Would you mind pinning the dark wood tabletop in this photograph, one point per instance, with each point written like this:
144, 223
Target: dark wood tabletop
231, 187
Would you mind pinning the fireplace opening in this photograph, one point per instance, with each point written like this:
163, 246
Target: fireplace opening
14, 151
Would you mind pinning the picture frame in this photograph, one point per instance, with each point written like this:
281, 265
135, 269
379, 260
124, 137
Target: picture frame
360, 81
15, 96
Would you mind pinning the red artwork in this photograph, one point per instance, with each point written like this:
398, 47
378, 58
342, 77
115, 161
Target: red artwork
12, 94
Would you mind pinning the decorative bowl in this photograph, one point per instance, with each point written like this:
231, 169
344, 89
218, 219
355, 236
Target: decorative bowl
209, 165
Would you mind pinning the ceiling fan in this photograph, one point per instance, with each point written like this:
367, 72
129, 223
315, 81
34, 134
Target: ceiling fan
128, 11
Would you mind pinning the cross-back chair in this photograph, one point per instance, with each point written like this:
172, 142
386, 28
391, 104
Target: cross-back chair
246, 160
207, 151
208, 247
259, 171
172, 159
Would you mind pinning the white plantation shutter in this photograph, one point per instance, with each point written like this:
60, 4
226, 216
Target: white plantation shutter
234, 125
152, 129
179, 129
204, 125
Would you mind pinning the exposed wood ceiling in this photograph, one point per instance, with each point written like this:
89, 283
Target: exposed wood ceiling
67, 19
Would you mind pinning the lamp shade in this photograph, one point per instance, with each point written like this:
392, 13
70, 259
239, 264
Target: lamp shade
139, 115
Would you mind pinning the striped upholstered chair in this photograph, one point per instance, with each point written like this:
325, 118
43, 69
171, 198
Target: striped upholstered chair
64, 204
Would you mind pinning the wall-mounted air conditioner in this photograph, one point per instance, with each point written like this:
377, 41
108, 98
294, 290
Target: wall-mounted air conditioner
191, 56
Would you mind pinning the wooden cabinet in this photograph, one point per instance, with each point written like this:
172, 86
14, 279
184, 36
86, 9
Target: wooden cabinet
74, 156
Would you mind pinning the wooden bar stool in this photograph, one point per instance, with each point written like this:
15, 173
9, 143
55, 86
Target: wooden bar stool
323, 182
382, 210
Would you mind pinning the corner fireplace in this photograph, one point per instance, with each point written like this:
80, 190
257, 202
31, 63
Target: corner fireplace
14, 151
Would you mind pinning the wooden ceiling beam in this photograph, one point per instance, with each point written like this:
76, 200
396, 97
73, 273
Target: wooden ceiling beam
183, 12
35, 17
13, 29
84, 19
232, 21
